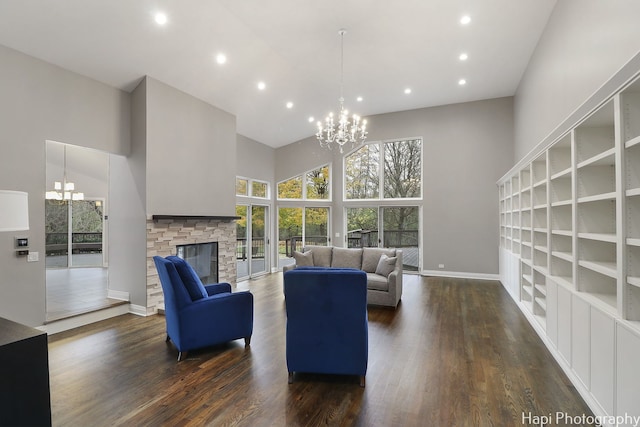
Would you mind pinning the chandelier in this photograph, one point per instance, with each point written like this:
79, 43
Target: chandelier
64, 190
343, 129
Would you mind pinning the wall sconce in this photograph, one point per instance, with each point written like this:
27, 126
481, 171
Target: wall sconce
14, 216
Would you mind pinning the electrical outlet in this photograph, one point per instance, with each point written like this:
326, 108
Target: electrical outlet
440, 265
33, 257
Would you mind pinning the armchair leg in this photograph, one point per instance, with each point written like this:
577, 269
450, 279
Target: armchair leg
247, 341
290, 377
362, 380
182, 355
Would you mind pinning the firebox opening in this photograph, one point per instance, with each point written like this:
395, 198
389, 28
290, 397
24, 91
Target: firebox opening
203, 257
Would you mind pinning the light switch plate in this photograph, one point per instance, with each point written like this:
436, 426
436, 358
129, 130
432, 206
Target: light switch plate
33, 257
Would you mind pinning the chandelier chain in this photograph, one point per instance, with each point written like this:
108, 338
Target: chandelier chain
346, 129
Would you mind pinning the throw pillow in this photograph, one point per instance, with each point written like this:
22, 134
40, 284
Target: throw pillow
371, 258
321, 255
386, 265
303, 259
189, 278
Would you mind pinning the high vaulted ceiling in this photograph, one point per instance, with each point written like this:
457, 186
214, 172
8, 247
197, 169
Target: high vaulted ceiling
293, 47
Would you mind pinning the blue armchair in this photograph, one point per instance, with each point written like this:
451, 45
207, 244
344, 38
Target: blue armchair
327, 330
198, 315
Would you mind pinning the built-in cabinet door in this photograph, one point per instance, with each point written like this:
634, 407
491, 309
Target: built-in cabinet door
628, 371
552, 312
581, 347
602, 358
564, 323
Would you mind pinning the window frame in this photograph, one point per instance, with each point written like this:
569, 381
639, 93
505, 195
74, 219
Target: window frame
250, 194
304, 183
381, 182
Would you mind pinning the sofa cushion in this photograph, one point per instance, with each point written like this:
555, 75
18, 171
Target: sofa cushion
346, 258
303, 259
321, 255
377, 282
189, 278
371, 257
386, 265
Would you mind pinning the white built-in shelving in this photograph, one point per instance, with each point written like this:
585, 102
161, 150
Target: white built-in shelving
630, 135
577, 257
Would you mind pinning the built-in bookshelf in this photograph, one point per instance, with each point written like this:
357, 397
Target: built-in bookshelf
630, 135
572, 214
574, 268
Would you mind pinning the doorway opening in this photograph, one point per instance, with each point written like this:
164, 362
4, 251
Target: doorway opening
77, 278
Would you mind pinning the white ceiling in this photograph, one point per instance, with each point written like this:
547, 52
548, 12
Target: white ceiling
293, 46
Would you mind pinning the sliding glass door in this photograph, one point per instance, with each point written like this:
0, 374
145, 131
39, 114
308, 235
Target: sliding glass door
386, 226
252, 240
298, 227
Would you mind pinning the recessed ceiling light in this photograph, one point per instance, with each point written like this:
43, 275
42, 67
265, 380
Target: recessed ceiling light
160, 18
289, 104
407, 91
262, 85
463, 56
465, 19
221, 58
311, 119
359, 99
462, 82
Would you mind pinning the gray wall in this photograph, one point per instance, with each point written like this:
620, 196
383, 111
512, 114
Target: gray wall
467, 147
255, 160
584, 43
191, 154
39, 102
127, 212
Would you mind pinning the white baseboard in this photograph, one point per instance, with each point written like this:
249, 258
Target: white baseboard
84, 319
138, 310
460, 275
119, 295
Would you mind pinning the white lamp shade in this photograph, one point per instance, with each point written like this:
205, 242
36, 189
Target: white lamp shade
14, 210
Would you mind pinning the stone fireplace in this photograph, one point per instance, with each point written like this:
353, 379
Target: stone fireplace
165, 233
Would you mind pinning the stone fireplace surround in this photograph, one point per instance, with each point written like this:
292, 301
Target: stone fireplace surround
165, 232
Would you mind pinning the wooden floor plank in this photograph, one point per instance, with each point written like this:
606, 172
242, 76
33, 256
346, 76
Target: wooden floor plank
456, 352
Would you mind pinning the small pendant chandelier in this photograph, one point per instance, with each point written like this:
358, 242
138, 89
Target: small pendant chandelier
64, 190
345, 129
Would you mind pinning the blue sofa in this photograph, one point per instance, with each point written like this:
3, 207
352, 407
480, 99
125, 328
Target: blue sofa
327, 329
198, 315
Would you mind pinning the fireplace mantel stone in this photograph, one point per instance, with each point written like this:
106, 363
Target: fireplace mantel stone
165, 232
195, 217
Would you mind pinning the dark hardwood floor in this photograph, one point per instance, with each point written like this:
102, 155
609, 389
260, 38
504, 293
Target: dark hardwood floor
456, 352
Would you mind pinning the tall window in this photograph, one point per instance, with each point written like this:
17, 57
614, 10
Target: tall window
397, 174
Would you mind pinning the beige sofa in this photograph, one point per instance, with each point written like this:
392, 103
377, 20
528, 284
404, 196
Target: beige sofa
384, 277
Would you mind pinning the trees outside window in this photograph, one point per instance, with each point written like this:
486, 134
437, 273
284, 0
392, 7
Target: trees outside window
291, 188
259, 189
402, 169
398, 177
316, 184
362, 173
242, 187
252, 188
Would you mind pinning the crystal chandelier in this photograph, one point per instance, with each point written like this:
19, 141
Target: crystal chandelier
344, 129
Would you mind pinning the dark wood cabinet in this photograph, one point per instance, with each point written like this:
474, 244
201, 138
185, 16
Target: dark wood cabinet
24, 376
